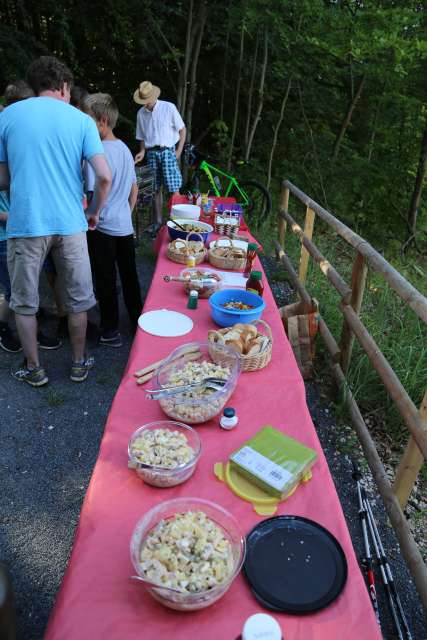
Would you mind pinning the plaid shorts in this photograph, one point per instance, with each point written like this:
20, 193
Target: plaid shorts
166, 168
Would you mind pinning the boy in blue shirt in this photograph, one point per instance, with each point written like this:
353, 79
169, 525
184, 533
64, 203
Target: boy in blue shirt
111, 245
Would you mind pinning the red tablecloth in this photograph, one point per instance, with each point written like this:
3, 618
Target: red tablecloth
98, 601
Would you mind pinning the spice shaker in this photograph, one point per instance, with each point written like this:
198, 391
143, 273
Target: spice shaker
192, 299
228, 419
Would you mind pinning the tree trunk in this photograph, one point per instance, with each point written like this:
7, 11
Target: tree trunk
276, 131
347, 119
260, 98
236, 100
155, 28
182, 88
224, 69
251, 91
201, 22
418, 187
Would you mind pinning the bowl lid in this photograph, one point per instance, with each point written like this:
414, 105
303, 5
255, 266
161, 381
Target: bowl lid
294, 564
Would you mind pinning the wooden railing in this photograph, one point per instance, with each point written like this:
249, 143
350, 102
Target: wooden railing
396, 496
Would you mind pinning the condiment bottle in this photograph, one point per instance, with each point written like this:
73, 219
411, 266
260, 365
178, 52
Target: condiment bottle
192, 299
228, 419
250, 257
254, 283
261, 625
190, 261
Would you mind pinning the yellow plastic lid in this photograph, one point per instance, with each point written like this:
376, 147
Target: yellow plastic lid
263, 503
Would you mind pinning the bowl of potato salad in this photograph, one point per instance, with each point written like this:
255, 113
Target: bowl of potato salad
164, 453
189, 551
191, 364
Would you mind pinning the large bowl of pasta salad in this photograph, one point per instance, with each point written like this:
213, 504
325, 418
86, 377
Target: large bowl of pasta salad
189, 551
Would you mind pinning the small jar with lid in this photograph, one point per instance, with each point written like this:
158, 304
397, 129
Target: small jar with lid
254, 283
190, 261
228, 419
193, 299
261, 625
250, 257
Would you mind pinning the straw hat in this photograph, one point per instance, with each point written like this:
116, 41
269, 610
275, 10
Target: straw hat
146, 92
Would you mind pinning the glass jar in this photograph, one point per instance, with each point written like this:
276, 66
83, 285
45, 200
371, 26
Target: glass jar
254, 283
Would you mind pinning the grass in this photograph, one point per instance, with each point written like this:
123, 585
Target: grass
398, 332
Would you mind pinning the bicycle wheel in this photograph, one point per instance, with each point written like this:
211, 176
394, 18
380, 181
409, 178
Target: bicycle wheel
259, 202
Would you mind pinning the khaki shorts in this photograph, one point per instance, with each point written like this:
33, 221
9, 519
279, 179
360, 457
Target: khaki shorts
25, 257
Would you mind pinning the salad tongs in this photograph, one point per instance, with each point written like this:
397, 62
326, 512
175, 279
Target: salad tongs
216, 384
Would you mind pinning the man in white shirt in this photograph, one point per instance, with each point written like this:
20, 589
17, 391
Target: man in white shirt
159, 127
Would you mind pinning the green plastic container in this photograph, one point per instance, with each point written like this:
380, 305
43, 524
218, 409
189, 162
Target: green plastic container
273, 461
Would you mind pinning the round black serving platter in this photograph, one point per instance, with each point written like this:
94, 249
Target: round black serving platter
294, 565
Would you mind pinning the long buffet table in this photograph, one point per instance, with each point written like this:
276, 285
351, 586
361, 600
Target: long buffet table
97, 599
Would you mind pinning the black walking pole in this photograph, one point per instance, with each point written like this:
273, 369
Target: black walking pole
367, 560
387, 569
382, 568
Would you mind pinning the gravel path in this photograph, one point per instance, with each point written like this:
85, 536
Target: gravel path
50, 442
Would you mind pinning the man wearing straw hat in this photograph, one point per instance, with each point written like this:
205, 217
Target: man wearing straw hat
159, 127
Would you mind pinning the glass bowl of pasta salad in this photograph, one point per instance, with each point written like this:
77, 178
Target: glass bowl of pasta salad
164, 453
187, 552
192, 363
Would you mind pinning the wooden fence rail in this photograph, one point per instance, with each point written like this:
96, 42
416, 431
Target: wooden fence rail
396, 496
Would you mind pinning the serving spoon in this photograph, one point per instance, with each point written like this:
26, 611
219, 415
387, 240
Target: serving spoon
154, 584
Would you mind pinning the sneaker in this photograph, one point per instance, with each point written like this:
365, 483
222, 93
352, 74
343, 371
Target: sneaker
8, 341
48, 343
111, 339
80, 370
35, 377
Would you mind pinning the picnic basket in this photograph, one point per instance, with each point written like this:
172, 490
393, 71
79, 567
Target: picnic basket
253, 362
226, 223
224, 257
179, 249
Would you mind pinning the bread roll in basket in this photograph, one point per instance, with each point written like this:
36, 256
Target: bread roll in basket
253, 347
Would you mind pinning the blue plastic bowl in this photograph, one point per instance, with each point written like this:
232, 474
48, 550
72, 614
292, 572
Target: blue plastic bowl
174, 232
228, 317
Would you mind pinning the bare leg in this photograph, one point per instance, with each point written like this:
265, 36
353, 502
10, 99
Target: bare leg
157, 206
27, 331
4, 310
77, 323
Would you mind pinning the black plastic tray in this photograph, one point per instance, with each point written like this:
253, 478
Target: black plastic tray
294, 565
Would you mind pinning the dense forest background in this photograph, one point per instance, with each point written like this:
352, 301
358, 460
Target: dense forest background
331, 94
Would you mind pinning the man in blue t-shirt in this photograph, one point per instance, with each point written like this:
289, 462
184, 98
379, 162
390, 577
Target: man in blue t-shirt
42, 143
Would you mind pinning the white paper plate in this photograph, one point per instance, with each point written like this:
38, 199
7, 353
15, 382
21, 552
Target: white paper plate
165, 323
239, 244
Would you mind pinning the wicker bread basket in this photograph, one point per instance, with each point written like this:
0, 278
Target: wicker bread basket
225, 224
249, 362
179, 249
230, 257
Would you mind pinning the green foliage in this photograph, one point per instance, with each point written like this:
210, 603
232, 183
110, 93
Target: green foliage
396, 329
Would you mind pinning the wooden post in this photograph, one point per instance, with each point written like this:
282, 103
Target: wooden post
305, 256
410, 465
284, 203
358, 281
